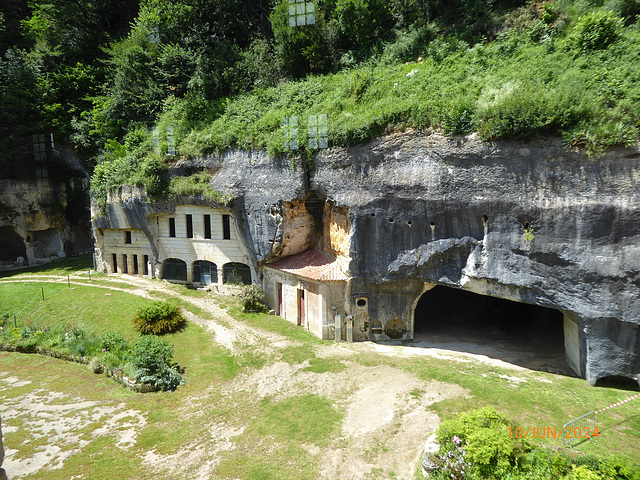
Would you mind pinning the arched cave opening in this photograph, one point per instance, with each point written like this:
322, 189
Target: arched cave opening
523, 334
620, 383
11, 245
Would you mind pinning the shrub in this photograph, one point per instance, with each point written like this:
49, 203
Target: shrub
597, 30
478, 441
194, 185
152, 360
168, 378
252, 298
151, 354
114, 342
95, 365
158, 317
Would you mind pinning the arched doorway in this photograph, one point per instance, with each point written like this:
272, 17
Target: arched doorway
205, 272
519, 333
174, 269
236, 274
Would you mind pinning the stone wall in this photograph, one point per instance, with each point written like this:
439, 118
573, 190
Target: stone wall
319, 300
134, 229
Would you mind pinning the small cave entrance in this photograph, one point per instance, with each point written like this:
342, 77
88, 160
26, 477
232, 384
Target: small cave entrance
620, 383
527, 335
11, 245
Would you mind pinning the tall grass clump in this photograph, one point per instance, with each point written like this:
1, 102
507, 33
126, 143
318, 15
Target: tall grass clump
158, 317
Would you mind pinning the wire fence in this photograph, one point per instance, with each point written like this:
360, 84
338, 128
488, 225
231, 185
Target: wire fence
39, 296
579, 430
585, 427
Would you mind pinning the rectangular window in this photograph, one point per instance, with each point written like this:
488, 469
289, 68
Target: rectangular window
189, 226
115, 263
172, 227
207, 226
125, 266
135, 264
146, 265
226, 227
127, 237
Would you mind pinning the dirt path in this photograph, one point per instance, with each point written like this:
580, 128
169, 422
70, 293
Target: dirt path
386, 416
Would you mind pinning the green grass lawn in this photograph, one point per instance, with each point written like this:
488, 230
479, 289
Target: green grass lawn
271, 432
96, 310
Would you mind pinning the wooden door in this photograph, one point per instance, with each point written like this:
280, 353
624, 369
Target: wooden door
302, 310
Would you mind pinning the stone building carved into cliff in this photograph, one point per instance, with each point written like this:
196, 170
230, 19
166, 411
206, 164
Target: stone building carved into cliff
421, 224
186, 241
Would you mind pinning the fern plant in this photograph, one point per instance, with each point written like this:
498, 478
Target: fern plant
158, 317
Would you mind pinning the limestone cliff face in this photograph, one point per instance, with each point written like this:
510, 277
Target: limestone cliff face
42, 219
535, 223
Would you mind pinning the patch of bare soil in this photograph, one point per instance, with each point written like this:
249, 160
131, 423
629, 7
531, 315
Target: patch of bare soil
386, 422
58, 426
386, 416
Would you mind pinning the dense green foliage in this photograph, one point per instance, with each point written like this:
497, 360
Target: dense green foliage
152, 359
149, 360
158, 317
478, 445
112, 78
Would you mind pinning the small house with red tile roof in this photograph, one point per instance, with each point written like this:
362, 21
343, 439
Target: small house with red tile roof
307, 289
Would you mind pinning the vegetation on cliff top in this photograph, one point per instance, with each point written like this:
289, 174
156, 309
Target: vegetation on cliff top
225, 74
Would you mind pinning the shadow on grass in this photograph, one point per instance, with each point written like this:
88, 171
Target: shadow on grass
64, 266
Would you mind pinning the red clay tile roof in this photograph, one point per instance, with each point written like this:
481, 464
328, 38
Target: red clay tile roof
313, 265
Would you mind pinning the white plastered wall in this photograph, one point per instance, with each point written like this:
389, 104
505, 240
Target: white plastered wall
217, 250
114, 243
319, 297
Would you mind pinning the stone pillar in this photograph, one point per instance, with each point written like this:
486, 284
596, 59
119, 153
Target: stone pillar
220, 272
337, 322
157, 269
130, 262
31, 253
190, 272
572, 345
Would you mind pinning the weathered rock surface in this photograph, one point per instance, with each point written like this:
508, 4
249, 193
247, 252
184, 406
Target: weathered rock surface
531, 222
425, 209
43, 220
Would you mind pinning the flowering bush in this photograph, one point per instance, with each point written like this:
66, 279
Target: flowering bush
454, 459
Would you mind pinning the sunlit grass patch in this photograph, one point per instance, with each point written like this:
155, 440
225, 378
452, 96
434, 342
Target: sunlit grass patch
301, 419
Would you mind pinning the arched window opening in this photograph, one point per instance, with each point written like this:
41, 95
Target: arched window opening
205, 272
174, 269
236, 274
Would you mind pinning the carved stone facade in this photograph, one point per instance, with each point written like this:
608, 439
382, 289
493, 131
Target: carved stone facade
179, 241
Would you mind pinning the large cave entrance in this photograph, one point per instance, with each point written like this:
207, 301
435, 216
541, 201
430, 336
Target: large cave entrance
518, 333
11, 245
